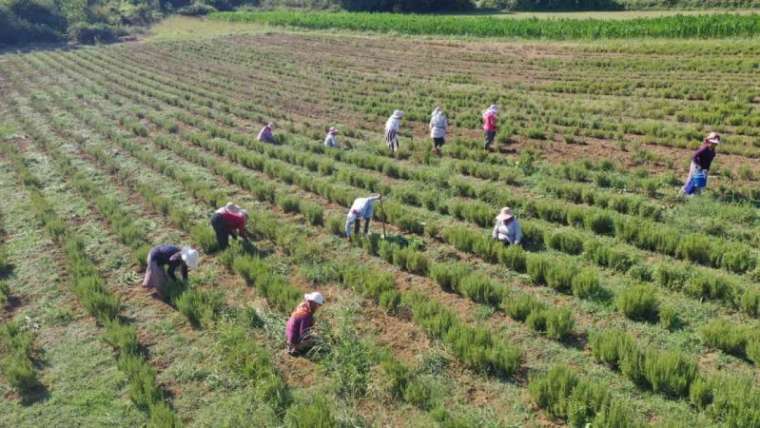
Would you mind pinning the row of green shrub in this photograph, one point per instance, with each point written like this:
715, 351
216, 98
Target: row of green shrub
742, 341
727, 399
17, 357
104, 306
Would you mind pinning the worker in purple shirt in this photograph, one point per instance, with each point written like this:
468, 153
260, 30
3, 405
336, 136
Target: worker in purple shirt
701, 162
173, 257
298, 329
265, 135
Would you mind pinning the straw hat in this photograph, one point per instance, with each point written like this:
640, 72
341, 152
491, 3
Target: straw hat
713, 138
505, 214
332, 130
232, 208
494, 108
190, 257
315, 297
398, 114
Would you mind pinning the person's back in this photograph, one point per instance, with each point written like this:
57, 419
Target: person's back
299, 323
163, 253
265, 135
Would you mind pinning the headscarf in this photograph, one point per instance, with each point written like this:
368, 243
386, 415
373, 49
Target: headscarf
394, 122
505, 214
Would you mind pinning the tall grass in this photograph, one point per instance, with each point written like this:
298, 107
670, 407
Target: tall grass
704, 26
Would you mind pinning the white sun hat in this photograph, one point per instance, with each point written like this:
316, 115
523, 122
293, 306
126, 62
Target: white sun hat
233, 208
713, 138
398, 114
505, 214
190, 257
315, 297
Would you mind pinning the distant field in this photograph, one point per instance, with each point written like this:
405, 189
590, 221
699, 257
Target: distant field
626, 14
626, 305
701, 26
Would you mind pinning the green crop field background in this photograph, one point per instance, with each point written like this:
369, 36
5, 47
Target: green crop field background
627, 305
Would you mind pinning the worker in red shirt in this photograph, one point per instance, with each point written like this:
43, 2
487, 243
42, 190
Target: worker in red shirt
229, 220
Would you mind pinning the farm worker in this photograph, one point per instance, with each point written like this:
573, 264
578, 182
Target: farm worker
392, 127
489, 124
229, 220
330, 139
507, 229
362, 209
298, 329
172, 256
700, 162
265, 135
439, 125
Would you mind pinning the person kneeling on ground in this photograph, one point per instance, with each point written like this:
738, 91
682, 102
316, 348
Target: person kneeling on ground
298, 330
229, 220
330, 139
173, 257
266, 135
507, 229
362, 209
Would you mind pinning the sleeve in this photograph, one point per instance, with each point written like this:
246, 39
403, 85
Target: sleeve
172, 268
495, 232
304, 326
698, 157
518, 232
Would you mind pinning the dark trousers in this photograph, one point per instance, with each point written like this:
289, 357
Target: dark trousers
490, 136
357, 226
438, 142
222, 236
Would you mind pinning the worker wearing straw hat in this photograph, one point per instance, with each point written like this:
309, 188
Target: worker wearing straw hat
361, 209
439, 126
489, 125
700, 165
331, 139
507, 229
172, 256
298, 332
392, 127
229, 220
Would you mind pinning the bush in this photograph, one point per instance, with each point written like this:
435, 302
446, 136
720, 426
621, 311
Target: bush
204, 236
90, 34
567, 241
481, 289
559, 276
639, 303
723, 335
199, 305
449, 275
418, 393
537, 266
537, 320
317, 414
143, 389
551, 390
601, 223
314, 213
290, 204
122, 337
513, 257
559, 323
669, 373
585, 284
520, 307
669, 318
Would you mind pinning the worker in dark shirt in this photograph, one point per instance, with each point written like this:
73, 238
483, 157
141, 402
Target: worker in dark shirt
701, 162
173, 257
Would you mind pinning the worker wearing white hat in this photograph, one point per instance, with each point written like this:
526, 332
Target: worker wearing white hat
507, 229
172, 256
392, 128
361, 209
701, 162
229, 220
298, 332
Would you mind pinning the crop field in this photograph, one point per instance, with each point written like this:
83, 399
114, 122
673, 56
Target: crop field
626, 306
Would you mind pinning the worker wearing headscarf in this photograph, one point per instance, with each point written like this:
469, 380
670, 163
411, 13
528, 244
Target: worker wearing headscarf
229, 220
392, 127
266, 135
173, 257
489, 125
701, 162
298, 332
362, 209
439, 126
330, 139
507, 229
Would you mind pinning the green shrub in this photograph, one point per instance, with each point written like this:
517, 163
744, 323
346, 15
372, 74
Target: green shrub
122, 337
566, 240
141, 377
336, 225
317, 414
204, 236
725, 336
585, 284
669, 318
753, 348
19, 372
639, 303
481, 289
750, 302
520, 307
601, 223
559, 276
586, 400
669, 373
161, 415
559, 323
418, 393
537, 266
701, 393
390, 300
314, 213
537, 320
449, 275
617, 414
696, 248
551, 390
611, 346
290, 204
610, 256
199, 305
513, 257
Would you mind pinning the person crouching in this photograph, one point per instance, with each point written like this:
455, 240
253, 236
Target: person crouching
298, 329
